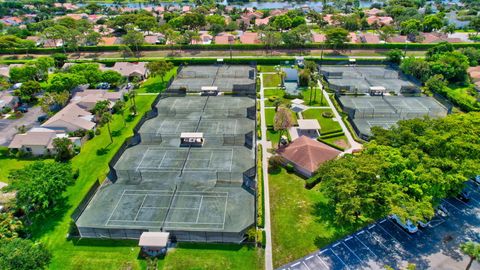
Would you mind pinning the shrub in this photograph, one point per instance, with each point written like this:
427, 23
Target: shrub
312, 181
272, 98
91, 134
289, 167
327, 114
97, 132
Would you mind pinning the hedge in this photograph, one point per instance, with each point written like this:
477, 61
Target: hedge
312, 181
332, 135
260, 197
330, 132
330, 144
245, 47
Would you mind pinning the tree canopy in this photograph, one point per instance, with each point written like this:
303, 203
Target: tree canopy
40, 185
404, 170
21, 254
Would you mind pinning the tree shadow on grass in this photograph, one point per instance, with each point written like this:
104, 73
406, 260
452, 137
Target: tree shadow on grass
116, 133
103, 151
104, 242
42, 225
212, 246
155, 87
130, 118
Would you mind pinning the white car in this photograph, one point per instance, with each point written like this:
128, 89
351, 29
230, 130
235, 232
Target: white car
408, 225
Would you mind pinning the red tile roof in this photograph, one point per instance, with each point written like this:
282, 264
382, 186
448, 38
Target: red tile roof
308, 153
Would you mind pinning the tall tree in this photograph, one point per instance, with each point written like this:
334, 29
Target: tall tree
336, 37
63, 148
159, 68
282, 121
22, 254
40, 186
134, 39
472, 249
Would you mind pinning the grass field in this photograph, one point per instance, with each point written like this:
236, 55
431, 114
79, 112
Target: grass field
8, 164
270, 115
271, 80
317, 99
302, 220
92, 163
156, 85
326, 124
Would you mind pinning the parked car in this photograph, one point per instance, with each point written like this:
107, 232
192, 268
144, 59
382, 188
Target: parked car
464, 195
442, 211
423, 224
22, 109
407, 225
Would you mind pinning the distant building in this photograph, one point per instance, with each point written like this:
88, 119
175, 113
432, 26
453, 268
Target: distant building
39, 141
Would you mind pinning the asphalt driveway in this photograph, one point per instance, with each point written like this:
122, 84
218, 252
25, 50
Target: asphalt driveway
8, 128
386, 243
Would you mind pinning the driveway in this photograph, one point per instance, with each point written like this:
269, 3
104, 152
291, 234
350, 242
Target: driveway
386, 243
8, 128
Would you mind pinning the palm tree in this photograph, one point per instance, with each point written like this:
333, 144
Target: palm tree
132, 94
311, 84
472, 249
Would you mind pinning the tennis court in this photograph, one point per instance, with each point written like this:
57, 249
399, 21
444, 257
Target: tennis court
226, 78
360, 78
197, 193
211, 159
166, 208
385, 111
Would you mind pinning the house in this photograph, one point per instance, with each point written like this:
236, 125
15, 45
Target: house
249, 38
264, 21
87, 99
352, 36
8, 100
381, 21
474, 73
131, 69
318, 38
307, 154
52, 43
186, 9
205, 38
35, 39
370, 38
39, 141
5, 71
373, 12
76, 16
224, 38
71, 118
398, 39
109, 41
152, 39
428, 38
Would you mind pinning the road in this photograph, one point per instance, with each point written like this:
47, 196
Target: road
265, 145
8, 128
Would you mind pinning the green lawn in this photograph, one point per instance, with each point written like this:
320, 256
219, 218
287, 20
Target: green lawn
340, 141
317, 100
156, 84
8, 164
326, 124
274, 137
121, 254
277, 92
271, 80
266, 68
270, 115
302, 220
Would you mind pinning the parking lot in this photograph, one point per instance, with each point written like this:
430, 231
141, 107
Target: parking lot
386, 243
8, 128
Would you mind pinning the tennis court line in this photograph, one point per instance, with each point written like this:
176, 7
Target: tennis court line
138, 212
115, 208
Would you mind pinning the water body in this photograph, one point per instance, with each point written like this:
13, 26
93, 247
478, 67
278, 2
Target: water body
316, 5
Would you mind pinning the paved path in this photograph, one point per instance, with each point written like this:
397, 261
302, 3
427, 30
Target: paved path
354, 145
265, 145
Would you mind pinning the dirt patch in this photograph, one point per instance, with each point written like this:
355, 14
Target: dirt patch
341, 143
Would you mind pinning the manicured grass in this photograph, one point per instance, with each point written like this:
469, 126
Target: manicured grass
270, 115
340, 141
266, 68
8, 164
271, 80
155, 84
277, 92
326, 124
317, 100
302, 220
92, 163
213, 256
274, 137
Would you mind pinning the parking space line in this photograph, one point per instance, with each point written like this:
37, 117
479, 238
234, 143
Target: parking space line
376, 239
295, 264
361, 242
462, 202
388, 233
401, 229
306, 265
371, 226
309, 257
324, 263
340, 259
354, 254
452, 205
360, 232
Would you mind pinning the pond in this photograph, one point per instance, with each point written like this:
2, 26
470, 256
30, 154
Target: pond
316, 5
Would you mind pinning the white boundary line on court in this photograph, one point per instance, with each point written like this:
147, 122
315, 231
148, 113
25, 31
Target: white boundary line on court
225, 211
199, 208
139, 209
115, 208
141, 161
